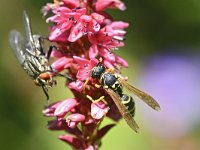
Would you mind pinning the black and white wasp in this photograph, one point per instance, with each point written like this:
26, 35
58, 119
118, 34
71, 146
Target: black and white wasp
113, 84
31, 56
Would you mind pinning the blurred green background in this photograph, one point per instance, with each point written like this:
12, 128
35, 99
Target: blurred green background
162, 48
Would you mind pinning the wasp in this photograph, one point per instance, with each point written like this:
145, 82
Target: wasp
31, 56
113, 83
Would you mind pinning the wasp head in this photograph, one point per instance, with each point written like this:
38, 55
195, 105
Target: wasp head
97, 71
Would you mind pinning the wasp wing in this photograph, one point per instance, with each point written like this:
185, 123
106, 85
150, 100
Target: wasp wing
141, 95
122, 109
17, 44
28, 31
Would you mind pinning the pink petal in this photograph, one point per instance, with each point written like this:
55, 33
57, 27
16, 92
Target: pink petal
71, 3
65, 106
107, 54
57, 54
93, 26
103, 4
93, 51
60, 64
76, 32
49, 111
121, 61
86, 18
76, 85
83, 74
98, 110
76, 117
90, 148
119, 25
108, 64
72, 124
82, 62
99, 18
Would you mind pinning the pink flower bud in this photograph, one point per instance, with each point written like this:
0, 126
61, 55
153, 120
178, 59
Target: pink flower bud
65, 106
76, 117
76, 85
98, 110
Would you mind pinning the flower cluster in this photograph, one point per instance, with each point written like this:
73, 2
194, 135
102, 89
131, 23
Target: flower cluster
84, 34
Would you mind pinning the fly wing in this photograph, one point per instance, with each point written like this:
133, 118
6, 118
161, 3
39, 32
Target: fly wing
28, 32
141, 95
17, 44
122, 109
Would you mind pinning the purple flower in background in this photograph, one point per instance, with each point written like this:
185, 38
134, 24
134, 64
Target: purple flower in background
174, 80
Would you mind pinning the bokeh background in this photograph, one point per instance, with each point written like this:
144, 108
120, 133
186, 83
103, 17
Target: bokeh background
162, 48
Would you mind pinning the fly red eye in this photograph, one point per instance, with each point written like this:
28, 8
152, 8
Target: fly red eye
45, 76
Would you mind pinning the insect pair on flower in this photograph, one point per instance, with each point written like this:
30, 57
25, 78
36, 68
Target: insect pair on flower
34, 60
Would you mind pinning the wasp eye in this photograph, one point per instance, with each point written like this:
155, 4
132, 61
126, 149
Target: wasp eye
98, 71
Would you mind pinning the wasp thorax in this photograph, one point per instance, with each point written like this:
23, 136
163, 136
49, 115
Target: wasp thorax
98, 71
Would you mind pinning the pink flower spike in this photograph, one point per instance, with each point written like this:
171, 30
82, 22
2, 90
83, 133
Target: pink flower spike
65, 106
73, 141
76, 85
98, 110
60, 64
104, 4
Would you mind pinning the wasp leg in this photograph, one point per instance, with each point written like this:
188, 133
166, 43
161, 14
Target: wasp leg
85, 84
111, 70
97, 100
98, 86
120, 76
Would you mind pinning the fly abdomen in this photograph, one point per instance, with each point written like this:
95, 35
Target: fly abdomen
129, 103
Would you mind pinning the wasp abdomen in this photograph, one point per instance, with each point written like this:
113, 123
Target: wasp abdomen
129, 103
